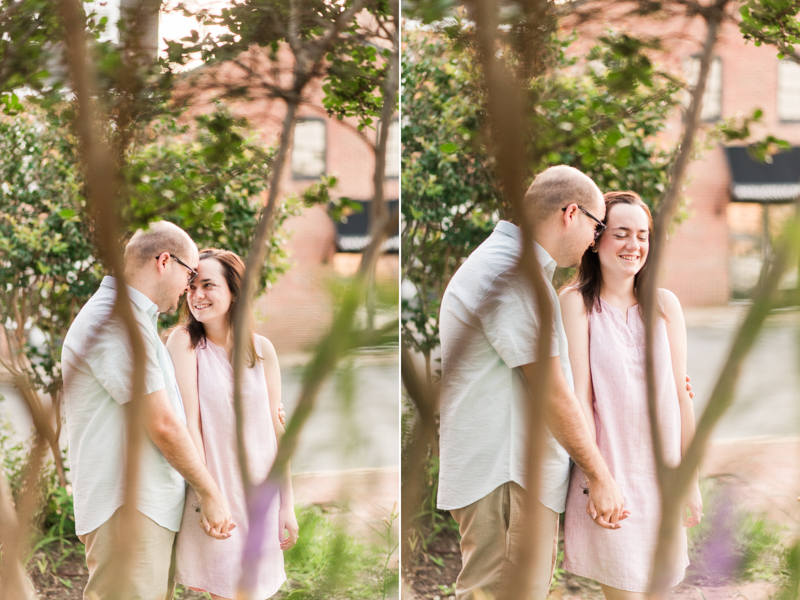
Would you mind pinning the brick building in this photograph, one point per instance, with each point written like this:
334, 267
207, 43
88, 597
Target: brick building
715, 254
298, 309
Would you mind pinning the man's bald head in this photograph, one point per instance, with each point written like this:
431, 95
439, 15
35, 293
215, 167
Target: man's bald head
159, 237
556, 187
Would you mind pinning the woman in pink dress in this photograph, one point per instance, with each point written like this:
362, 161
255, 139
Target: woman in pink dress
201, 349
606, 339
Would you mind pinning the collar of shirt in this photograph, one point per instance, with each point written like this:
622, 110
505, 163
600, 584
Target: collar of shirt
544, 258
139, 300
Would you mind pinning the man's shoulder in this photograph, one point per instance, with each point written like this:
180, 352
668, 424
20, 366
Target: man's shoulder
495, 259
96, 322
92, 316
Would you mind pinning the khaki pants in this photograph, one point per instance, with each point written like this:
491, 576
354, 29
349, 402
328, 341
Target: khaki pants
490, 541
151, 564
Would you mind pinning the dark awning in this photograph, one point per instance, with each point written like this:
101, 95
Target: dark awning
754, 181
352, 235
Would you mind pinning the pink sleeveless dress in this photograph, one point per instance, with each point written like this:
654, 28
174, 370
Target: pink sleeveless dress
201, 561
623, 558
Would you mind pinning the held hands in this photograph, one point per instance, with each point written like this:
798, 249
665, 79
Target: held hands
606, 506
288, 525
695, 505
215, 517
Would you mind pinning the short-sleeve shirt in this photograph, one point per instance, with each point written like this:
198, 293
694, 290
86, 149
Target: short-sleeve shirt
97, 362
489, 328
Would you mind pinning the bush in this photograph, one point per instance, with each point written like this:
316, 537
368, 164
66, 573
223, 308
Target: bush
328, 563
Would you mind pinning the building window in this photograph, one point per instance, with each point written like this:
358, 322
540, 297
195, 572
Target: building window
788, 90
712, 98
308, 151
393, 150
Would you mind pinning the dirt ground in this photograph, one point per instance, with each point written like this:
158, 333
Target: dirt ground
424, 582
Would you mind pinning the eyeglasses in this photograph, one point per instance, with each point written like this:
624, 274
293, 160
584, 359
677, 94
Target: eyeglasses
192, 273
599, 228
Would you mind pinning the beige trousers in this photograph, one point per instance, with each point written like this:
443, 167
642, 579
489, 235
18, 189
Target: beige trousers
490, 541
151, 564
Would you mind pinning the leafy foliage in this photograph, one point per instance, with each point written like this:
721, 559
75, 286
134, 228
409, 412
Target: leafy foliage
207, 178
47, 262
29, 27
772, 22
327, 562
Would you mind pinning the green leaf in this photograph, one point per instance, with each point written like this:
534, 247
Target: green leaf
448, 148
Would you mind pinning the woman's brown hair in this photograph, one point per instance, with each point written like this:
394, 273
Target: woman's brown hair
233, 270
589, 278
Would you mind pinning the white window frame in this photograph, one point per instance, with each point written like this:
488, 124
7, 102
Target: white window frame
788, 97
304, 143
392, 166
712, 98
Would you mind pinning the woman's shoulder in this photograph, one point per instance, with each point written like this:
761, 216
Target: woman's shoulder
569, 291
267, 349
571, 300
178, 338
669, 300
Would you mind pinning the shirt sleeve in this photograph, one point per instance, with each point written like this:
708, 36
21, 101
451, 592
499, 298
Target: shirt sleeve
110, 358
510, 320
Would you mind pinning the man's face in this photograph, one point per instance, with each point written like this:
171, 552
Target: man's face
176, 279
584, 228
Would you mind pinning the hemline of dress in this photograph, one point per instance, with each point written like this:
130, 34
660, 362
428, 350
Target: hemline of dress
618, 585
207, 588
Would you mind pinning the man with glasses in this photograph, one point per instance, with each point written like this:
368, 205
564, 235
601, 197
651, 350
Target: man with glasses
489, 328
98, 367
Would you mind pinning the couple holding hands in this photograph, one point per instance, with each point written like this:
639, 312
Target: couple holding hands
189, 418
596, 401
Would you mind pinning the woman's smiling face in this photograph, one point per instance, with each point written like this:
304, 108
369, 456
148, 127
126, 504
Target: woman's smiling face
209, 297
624, 245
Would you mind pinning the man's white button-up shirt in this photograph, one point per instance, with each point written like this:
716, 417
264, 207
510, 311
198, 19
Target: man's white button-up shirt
489, 328
98, 364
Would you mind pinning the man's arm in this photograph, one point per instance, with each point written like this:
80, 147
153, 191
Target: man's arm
567, 422
171, 437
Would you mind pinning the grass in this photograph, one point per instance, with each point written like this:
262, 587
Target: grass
329, 563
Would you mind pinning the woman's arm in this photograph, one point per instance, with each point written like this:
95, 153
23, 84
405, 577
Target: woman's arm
272, 374
576, 326
184, 359
676, 334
